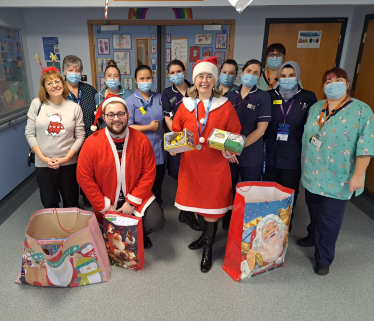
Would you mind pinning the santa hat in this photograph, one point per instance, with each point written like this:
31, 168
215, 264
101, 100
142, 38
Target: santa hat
109, 98
59, 116
208, 66
53, 68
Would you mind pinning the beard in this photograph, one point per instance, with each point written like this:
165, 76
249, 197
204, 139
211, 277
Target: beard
116, 131
272, 247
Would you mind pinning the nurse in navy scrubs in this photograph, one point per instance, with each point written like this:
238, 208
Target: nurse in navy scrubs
171, 99
147, 116
289, 111
253, 107
227, 76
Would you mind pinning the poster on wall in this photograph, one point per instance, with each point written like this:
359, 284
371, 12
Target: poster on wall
102, 63
153, 49
203, 39
168, 55
220, 57
122, 41
179, 49
50, 44
122, 59
168, 38
153, 36
207, 52
194, 54
221, 41
103, 47
128, 83
309, 39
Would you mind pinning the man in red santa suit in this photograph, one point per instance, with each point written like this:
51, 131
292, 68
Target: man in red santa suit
204, 181
270, 240
117, 168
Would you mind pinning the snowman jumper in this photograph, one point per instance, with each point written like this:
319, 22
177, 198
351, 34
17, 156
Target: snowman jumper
204, 183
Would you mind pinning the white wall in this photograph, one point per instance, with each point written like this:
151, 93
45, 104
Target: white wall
71, 28
14, 147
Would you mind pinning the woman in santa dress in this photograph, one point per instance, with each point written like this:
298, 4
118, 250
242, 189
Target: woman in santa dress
204, 183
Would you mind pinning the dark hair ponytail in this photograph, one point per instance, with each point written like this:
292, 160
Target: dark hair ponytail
231, 62
253, 62
142, 67
176, 62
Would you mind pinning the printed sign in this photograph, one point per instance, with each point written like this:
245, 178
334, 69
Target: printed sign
309, 39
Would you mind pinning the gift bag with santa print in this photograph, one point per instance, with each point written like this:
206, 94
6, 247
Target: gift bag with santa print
64, 248
258, 236
123, 235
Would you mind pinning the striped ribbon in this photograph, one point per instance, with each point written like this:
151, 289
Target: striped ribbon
106, 8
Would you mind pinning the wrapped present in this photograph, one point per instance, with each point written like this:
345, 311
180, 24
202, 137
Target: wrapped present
178, 142
223, 140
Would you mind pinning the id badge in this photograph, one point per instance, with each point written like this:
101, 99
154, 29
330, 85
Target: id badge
277, 102
316, 142
283, 131
142, 110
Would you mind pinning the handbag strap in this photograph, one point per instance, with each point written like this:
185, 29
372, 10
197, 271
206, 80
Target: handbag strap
76, 221
41, 104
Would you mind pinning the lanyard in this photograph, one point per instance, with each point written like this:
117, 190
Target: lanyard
206, 115
146, 105
79, 97
333, 112
288, 111
274, 82
176, 102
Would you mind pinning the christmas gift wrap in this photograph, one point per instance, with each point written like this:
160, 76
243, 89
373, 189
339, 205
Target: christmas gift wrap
123, 235
178, 142
223, 140
63, 248
258, 235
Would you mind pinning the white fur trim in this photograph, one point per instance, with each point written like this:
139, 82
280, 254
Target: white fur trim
134, 199
111, 99
189, 103
93, 128
136, 213
107, 205
211, 211
205, 67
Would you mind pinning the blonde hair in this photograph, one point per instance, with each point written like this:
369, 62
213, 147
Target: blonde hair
48, 75
193, 92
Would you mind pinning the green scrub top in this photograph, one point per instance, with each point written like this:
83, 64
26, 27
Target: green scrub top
263, 84
349, 133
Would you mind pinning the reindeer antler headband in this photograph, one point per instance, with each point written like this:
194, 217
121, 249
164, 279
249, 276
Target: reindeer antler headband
53, 68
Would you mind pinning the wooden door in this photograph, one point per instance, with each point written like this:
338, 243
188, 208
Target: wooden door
365, 84
313, 62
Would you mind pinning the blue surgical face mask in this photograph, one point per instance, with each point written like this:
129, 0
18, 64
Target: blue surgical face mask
112, 84
274, 62
73, 77
335, 90
288, 83
249, 80
226, 80
144, 87
177, 79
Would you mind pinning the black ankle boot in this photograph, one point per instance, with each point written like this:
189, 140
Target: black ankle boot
198, 244
190, 219
201, 221
210, 230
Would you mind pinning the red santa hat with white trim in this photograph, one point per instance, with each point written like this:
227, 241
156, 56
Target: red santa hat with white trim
109, 99
208, 66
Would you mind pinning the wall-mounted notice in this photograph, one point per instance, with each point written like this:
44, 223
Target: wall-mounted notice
122, 59
50, 44
179, 49
309, 39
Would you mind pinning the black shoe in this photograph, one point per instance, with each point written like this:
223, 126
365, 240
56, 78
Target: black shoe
226, 221
304, 242
147, 242
198, 244
190, 219
321, 269
86, 202
210, 229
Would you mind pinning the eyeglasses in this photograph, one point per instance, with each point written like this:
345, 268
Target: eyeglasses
120, 115
54, 83
277, 55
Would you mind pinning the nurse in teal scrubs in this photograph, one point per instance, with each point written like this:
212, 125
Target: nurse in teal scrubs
338, 143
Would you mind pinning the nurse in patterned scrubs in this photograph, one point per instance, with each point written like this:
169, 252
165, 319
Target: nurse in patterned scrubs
338, 143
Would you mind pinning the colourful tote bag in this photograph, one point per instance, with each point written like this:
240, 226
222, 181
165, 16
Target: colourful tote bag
123, 235
258, 236
64, 248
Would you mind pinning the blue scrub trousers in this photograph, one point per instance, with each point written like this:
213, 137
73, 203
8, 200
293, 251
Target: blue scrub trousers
326, 217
